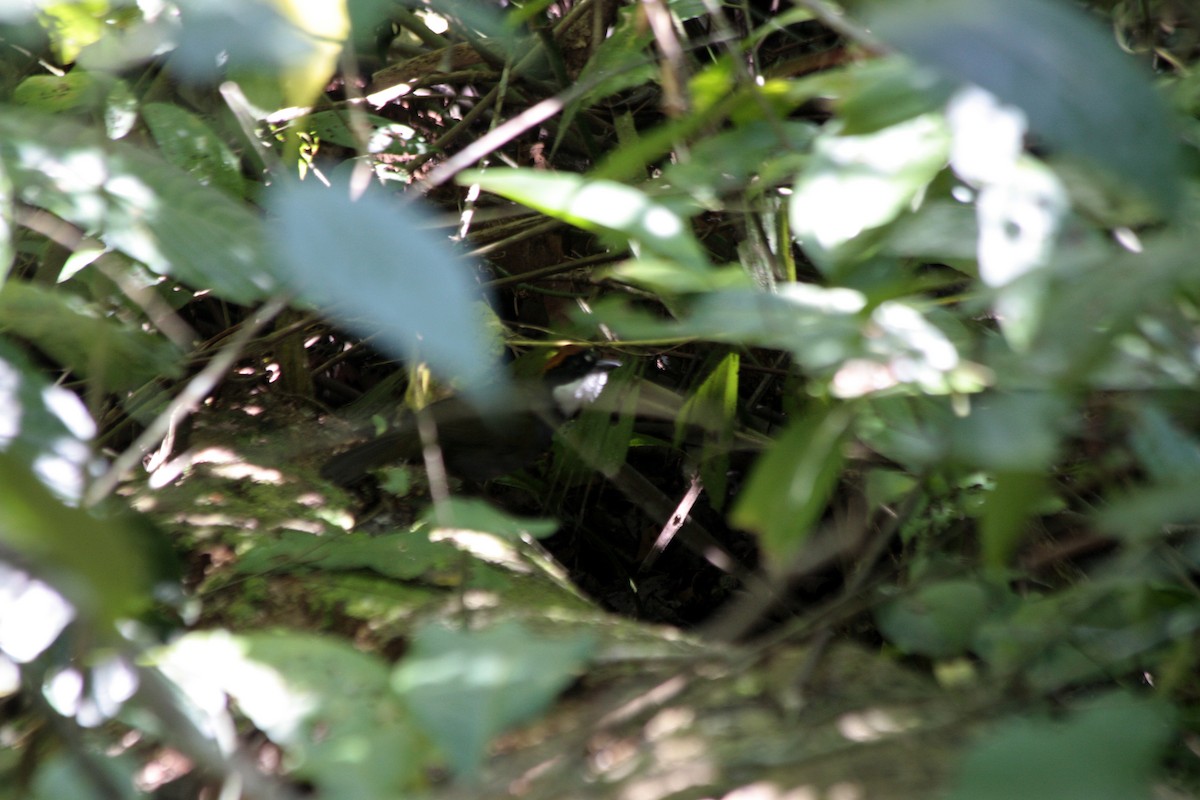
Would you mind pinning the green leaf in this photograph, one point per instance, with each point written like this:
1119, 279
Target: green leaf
327, 704
58, 93
98, 564
735, 159
1080, 93
74, 25
1007, 508
1011, 432
599, 440
598, 205
136, 203
44, 423
883, 92
1167, 453
383, 135
392, 277
119, 357
473, 514
403, 556
619, 63
467, 686
190, 144
670, 277
712, 409
1106, 752
938, 620
791, 483
854, 184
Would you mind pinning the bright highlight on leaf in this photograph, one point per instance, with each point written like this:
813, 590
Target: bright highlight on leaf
1082, 96
598, 205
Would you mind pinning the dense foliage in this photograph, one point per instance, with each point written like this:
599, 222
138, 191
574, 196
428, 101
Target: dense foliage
907, 303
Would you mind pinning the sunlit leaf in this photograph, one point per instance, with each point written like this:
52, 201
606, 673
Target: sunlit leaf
598, 205
97, 564
853, 184
324, 701
477, 515
136, 203
44, 427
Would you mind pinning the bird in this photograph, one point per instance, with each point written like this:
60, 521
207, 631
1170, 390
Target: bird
479, 448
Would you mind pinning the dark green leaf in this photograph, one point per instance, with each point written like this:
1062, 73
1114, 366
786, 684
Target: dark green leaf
190, 144
791, 483
1107, 752
118, 357
938, 620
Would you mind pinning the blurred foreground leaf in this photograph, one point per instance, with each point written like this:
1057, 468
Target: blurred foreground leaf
468, 686
374, 266
1079, 92
1107, 752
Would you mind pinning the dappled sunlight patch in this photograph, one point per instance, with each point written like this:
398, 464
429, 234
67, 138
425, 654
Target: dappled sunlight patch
872, 724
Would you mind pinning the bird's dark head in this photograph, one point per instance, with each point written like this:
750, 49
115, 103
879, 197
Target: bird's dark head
576, 378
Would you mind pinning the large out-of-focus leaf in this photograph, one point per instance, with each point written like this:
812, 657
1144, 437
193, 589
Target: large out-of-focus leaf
118, 357
467, 686
373, 265
1079, 92
1107, 752
598, 205
791, 483
880, 93
282, 52
1167, 453
1007, 508
43, 427
134, 202
1011, 432
97, 564
325, 702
